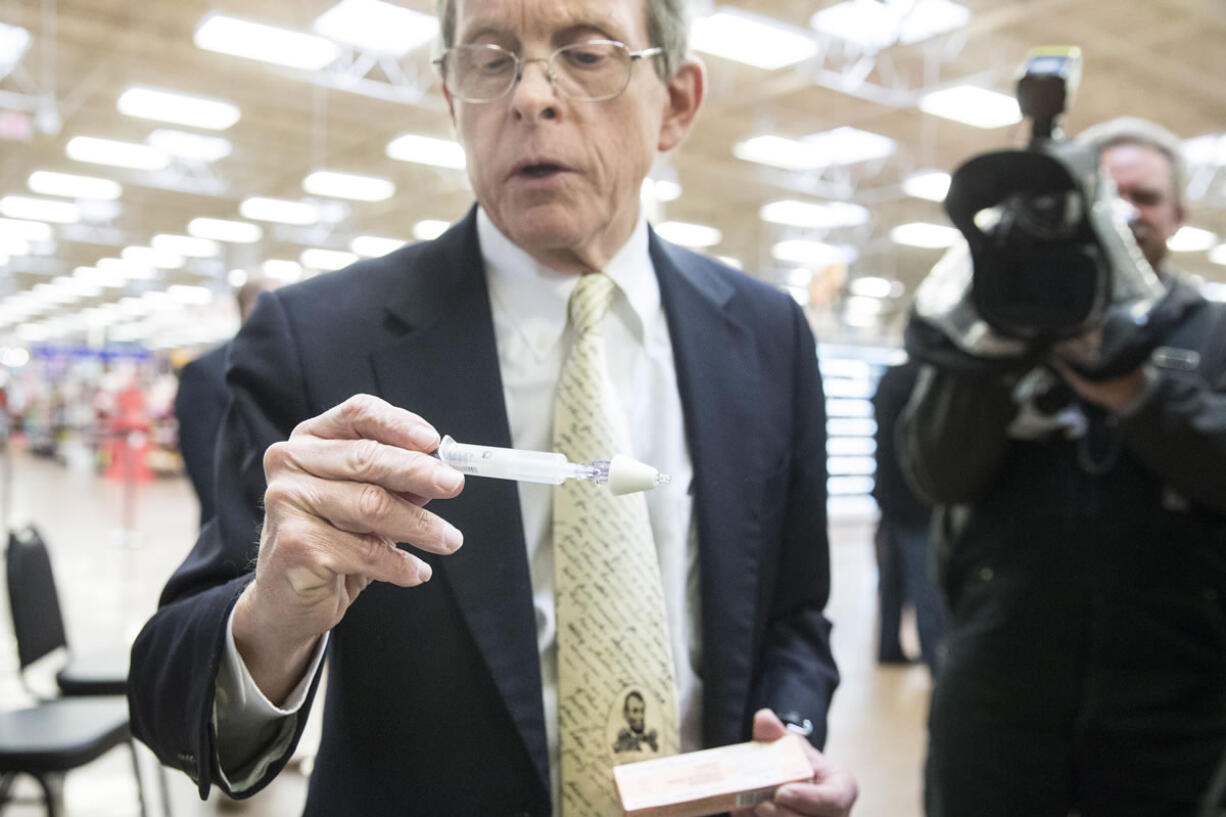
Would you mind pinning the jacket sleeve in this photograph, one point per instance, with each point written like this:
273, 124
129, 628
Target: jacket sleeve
176, 657
1179, 431
951, 436
798, 674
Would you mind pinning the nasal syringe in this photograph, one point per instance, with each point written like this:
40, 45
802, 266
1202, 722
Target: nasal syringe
623, 474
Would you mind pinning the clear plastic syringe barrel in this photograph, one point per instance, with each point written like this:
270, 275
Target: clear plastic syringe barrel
506, 463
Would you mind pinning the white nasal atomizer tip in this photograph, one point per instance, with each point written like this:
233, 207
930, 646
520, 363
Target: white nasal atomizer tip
627, 476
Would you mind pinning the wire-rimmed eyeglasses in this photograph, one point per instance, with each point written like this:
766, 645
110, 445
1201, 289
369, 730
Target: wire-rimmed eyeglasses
591, 71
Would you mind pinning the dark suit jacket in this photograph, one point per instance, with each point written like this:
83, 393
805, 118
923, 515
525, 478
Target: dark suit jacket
200, 403
434, 693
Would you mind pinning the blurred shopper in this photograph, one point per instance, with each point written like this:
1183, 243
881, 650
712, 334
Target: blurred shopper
467, 680
201, 401
1085, 663
903, 534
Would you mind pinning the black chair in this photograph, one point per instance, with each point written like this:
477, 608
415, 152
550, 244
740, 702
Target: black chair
90, 718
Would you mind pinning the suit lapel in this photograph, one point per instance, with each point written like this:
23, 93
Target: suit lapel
445, 368
717, 376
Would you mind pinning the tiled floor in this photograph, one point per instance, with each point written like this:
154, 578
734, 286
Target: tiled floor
110, 570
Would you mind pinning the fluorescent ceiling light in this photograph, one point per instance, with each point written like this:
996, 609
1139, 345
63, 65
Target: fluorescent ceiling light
150, 257
873, 286
374, 246
117, 154
14, 41
828, 215
198, 296
972, 105
813, 253
217, 229
429, 228
32, 209
192, 146
661, 189
29, 230
237, 277
282, 211
927, 236
427, 150
257, 41
373, 25
126, 269
280, 269
1218, 254
864, 305
877, 24
321, 259
77, 187
731, 261
1214, 291
751, 39
181, 109
348, 186
11, 245
840, 146
1209, 149
932, 185
190, 246
1191, 239
697, 236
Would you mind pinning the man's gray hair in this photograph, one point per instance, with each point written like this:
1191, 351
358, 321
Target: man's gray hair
1132, 130
668, 26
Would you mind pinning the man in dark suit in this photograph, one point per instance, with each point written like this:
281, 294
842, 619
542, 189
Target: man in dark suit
443, 693
200, 402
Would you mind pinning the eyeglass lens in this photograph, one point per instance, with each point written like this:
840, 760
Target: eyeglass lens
584, 71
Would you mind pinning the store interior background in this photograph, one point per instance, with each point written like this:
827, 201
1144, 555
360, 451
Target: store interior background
127, 216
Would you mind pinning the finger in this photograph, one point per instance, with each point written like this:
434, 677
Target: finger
767, 726
364, 416
364, 509
833, 794
396, 469
311, 553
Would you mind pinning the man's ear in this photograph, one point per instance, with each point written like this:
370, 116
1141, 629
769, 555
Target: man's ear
685, 93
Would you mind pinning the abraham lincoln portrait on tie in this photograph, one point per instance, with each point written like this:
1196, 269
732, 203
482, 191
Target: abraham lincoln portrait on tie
476, 659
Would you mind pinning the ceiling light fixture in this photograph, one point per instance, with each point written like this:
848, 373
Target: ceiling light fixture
826, 215
1191, 239
814, 254
877, 24
348, 186
131, 155
257, 41
50, 183
751, 39
217, 229
29, 230
429, 229
190, 246
1217, 255
932, 185
282, 211
325, 260
32, 209
427, 150
191, 146
840, 146
697, 236
925, 236
972, 105
373, 25
181, 109
281, 269
374, 246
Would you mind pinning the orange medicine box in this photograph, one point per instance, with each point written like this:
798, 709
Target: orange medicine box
711, 781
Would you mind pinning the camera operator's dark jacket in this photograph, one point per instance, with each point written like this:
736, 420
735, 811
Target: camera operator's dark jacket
1092, 545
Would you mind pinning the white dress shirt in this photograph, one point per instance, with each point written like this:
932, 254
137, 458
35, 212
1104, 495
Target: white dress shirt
529, 307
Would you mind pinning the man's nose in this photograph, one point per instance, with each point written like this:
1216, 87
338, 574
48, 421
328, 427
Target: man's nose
534, 94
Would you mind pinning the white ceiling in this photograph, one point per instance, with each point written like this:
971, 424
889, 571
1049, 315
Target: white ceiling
1162, 59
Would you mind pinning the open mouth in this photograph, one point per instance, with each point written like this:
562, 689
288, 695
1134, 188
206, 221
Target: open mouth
540, 171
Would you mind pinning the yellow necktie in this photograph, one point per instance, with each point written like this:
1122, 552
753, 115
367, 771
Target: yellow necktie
616, 698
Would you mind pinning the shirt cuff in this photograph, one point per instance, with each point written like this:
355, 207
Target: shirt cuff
253, 732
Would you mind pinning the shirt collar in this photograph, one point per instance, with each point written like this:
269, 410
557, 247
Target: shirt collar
533, 297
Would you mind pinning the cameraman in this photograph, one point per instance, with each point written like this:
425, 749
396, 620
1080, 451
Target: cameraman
1084, 556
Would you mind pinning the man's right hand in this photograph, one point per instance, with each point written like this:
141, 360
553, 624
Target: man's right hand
342, 491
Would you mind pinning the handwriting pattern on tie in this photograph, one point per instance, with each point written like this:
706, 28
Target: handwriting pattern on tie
616, 699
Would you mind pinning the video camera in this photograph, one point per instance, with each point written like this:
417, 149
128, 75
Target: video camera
1048, 253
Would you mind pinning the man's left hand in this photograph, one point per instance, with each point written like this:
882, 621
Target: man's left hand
1115, 395
831, 792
